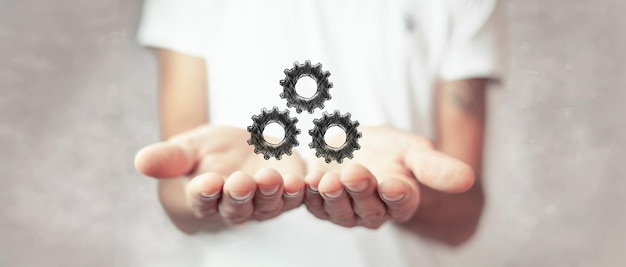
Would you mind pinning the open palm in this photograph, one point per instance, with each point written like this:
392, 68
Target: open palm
226, 180
382, 182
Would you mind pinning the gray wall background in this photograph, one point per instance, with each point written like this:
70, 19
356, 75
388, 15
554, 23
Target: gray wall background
77, 100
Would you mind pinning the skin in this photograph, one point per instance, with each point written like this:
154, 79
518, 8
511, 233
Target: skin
209, 177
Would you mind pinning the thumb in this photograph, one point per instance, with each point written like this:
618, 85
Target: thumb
438, 170
165, 160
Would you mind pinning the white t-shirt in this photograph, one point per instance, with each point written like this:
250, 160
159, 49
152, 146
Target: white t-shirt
385, 57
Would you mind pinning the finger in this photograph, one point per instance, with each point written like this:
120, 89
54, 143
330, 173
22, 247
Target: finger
293, 191
236, 205
361, 185
268, 201
164, 160
312, 198
336, 200
401, 198
437, 170
204, 192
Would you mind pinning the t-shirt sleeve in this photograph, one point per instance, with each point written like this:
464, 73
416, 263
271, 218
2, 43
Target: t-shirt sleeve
476, 41
179, 25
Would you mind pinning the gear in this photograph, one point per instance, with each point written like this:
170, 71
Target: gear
322, 149
289, 86
259, 122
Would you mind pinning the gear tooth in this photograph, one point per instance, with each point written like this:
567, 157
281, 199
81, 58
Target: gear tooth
279, 156
327, 160
322, 106
356, 124
249, 128
326, 74
340, 160
348, 116
311, 110
264, 111
311, 132
256, 151
317, 154
282, 95
350, 156
357, 146
307, 63
289, 152
266, 157
298, 109
337, 113
330, 85
295, 143
249, 141
275, 109
287, 71
359, 135
297, 131
282, 82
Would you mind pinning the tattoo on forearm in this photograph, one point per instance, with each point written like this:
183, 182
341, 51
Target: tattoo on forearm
469, 97
464, 101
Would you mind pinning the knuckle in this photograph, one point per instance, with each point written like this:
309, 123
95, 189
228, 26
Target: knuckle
289, 206
202, 213
372, 214
266, 215
235, 216
268, 205
373, 224
345, 222
401, 217
235, 219
318, 213
342, 213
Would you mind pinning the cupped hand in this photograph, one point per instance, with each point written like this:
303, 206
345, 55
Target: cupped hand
224, 179
382, 182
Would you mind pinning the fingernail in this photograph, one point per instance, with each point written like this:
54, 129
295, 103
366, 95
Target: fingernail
334, 194
268, 190
313, 188
388, 197
241, 196
357, 187
294, 194
209, 195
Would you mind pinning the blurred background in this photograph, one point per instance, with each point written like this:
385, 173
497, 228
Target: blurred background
78, 99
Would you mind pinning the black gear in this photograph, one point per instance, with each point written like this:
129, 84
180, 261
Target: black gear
258, 126
332, 153
289, 86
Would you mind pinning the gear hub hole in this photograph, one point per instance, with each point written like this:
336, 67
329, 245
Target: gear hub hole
272, 132
306, 87
335, 137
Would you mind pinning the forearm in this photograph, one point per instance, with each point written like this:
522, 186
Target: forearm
182, 93
182, 106
460, 115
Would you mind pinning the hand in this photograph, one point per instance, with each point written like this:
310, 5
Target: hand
224, 181
383, 180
